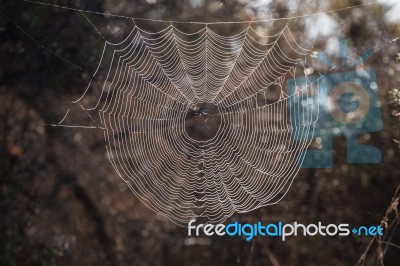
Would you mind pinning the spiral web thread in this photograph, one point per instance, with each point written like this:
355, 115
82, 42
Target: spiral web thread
155, 78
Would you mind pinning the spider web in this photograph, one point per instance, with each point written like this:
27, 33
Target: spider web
198, 124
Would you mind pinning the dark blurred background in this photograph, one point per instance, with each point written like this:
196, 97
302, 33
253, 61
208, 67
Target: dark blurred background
61, 202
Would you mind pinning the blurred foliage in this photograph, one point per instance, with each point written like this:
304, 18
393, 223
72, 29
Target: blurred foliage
396, 95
